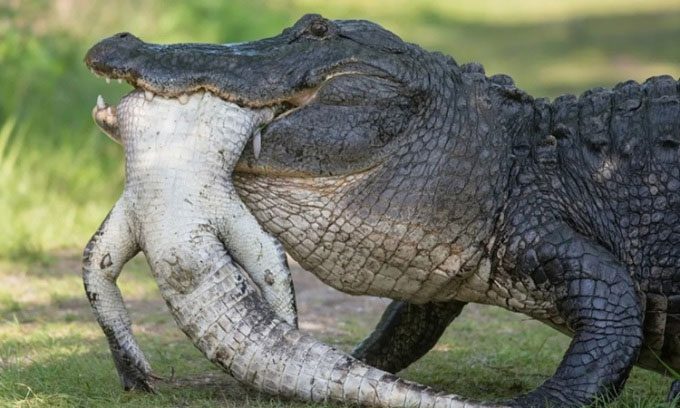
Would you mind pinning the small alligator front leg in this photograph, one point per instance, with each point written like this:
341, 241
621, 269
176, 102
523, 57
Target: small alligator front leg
108, 250
405, 333
599, 301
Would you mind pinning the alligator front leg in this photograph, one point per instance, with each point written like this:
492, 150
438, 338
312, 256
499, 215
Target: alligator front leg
108, 250
405, 333
599, 301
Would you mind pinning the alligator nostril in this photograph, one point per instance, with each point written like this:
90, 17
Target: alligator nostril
122, 35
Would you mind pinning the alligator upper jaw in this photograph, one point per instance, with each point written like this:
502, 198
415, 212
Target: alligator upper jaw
281, 104
237, 73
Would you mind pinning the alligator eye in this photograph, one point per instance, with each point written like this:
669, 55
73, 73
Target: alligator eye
318, 28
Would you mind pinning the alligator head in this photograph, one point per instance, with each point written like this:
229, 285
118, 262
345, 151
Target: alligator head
347, 77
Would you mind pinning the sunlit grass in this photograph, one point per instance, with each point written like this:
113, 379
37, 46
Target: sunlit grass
53, 353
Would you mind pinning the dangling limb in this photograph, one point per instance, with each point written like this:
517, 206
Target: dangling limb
598, 299
108, 250
262, 256
405, 333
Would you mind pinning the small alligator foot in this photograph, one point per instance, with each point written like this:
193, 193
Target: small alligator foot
106, 253
133, 377
674, 392
133, 369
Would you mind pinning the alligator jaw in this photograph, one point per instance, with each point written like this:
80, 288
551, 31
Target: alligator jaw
105, 115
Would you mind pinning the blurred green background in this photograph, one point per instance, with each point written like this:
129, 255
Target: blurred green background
59, 175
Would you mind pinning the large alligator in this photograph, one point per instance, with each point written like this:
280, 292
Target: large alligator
391, 171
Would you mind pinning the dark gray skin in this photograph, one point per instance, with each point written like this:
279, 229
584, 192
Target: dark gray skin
405, 333
393, 171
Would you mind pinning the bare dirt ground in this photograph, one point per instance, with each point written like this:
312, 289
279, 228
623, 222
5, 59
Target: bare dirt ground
323, 310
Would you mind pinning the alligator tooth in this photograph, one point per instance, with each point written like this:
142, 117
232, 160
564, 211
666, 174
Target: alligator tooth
108, 80
183, 99
120, 81
148, 95
100, 102
257, 144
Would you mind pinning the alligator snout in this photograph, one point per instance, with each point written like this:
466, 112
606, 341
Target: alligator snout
119, 47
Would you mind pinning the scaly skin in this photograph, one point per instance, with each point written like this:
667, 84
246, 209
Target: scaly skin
396, 172
181, 210
405, 333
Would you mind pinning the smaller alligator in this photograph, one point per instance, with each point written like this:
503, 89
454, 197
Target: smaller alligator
179, 207
388, 170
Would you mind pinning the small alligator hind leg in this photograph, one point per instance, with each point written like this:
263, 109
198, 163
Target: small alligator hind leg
108, 250
405, 333
598, 299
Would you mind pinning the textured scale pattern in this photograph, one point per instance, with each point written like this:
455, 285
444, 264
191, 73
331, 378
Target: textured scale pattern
208, 255
602, 166
181, 211
393, 171
632, 149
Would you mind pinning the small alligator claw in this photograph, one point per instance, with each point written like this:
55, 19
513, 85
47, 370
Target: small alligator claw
134, 379
133, 369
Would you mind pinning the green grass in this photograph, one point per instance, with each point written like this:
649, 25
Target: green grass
59, 176
53, 354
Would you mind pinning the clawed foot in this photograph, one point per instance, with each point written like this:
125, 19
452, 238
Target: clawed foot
133, 369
